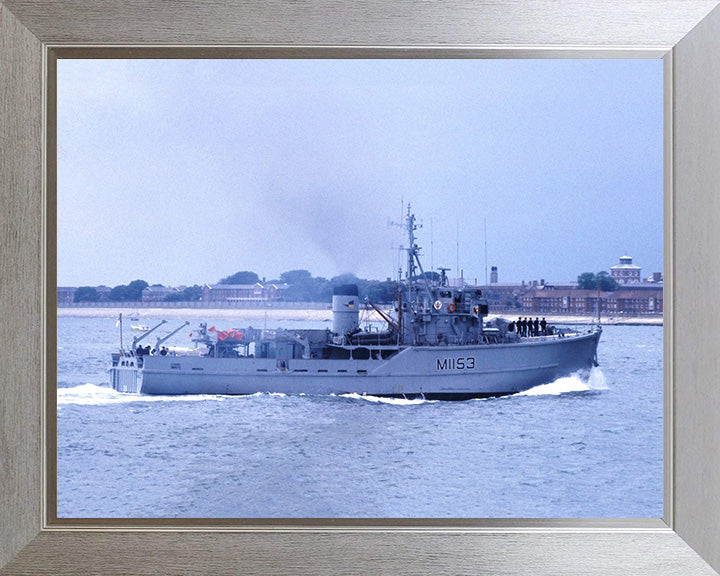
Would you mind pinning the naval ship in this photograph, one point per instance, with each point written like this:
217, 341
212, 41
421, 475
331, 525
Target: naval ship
437, 345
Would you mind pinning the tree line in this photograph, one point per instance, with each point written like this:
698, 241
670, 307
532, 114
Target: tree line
302, 287
132, 292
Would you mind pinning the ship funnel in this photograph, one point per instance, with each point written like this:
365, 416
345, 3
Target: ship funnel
346, 308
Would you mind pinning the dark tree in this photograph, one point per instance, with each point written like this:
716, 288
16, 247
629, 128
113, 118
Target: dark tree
606, 283
305, 288
382, 292
600, 281
243, 277
128, 293
135, 289
86, 294
193, 293
587, 281
295, 276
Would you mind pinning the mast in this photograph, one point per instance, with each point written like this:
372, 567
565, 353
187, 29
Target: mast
457, 246
411, 251
413, 257
432, 245
119, 323
485, 230
412, 248
400, 336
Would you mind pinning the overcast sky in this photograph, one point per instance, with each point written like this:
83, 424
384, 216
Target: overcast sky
186, 171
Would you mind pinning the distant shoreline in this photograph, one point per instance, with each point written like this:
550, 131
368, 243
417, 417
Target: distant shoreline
312, 315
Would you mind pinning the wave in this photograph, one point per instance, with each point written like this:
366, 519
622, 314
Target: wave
383, 400
577, 382
94, 395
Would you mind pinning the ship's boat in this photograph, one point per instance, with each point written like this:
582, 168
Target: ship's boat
437, 345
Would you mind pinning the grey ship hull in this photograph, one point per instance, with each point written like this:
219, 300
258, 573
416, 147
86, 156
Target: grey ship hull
435, 372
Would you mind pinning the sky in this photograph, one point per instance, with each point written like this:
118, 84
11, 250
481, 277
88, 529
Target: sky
182, 172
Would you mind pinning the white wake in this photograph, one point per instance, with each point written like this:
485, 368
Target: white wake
595, 380
383, 400
94, 395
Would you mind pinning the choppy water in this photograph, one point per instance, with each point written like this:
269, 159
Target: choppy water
571, 448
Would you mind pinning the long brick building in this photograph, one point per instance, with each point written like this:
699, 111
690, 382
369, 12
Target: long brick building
638, 301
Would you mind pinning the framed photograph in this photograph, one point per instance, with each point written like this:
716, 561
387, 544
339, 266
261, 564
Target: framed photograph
285, 378
685, 535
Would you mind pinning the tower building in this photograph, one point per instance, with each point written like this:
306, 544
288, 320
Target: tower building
626, 272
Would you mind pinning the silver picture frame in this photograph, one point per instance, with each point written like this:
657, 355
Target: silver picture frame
684, 33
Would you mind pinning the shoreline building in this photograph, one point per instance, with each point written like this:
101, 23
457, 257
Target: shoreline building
626, 272
634, 301
229, 293
635, 295
157, 293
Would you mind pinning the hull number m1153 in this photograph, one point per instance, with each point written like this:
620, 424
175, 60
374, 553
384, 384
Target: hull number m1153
456, 363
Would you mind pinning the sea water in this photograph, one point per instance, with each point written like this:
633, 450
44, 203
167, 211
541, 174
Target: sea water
571, 448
